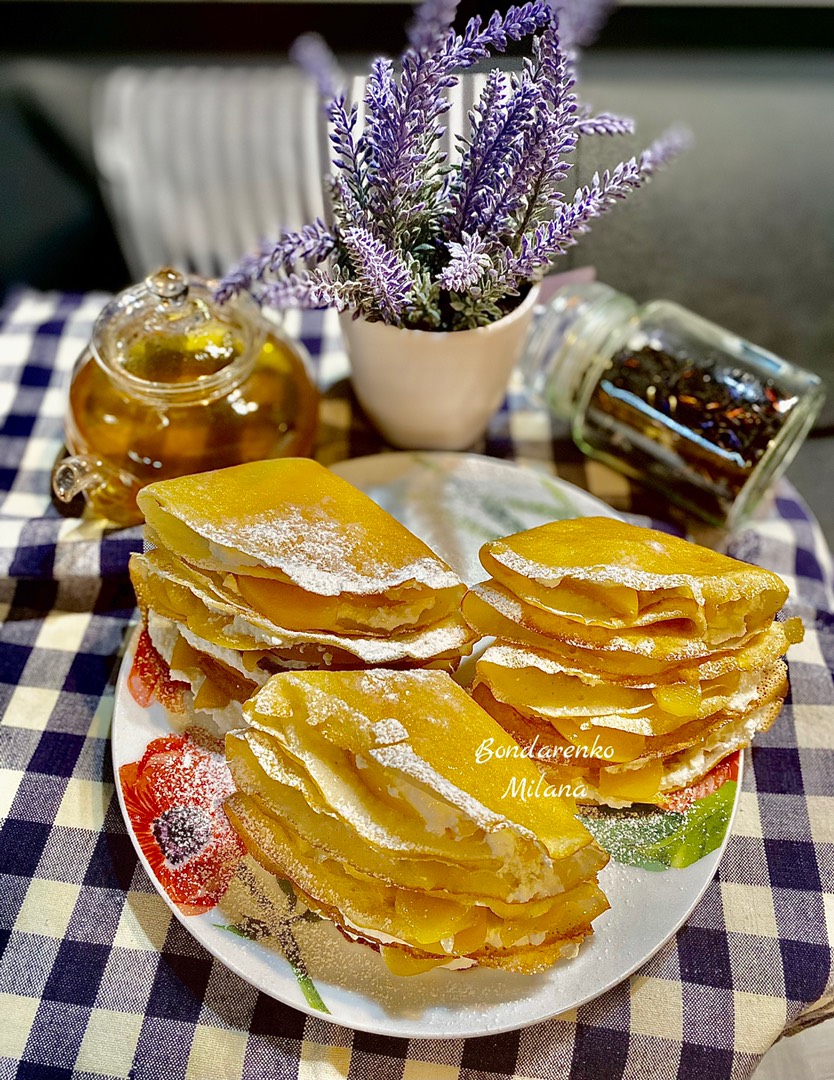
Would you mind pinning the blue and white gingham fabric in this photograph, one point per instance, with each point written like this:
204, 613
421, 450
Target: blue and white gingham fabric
96, 977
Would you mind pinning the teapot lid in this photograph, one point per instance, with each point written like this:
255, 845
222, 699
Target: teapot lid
168, 335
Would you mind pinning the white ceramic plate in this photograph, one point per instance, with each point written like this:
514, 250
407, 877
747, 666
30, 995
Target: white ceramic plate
455, 502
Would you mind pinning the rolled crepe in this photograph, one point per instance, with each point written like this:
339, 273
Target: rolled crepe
281, 564
659, 655
368, 791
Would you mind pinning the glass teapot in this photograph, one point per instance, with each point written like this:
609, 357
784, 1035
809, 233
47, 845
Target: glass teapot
173, 383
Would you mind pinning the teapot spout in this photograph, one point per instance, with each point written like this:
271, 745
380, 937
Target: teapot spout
74, 475
110, 492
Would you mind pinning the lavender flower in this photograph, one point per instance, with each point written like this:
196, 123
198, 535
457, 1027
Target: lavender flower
470, 260
431, 20
240, 278
313, 244
314, 289
254, 274
538, 249
403, 175
312, 54
537, 187
380, 271
497, 151
349, 159
580, 21
401, 135
673, 142
386, 147
415, 241
550, 68
604, 124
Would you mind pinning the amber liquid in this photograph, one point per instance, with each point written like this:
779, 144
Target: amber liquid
271, 413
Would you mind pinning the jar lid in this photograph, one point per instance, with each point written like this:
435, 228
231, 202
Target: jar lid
167, 336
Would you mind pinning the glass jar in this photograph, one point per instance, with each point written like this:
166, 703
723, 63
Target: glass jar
670, 399
172, 384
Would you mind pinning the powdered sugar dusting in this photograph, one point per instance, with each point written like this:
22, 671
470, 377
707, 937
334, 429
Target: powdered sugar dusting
386, 684
389, 731
322, 555
619, 574
510, 656
404, 759
341, 795
503, 602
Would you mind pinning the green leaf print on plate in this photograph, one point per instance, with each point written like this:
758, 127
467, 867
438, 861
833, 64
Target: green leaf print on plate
264, 908
457, 502
655, 839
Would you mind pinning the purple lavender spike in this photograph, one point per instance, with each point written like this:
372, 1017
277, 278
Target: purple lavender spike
312, 54
496, 153
312, 243
469, 262
239, 279
673, 142
605, 124
312, 289
406, 227
380, 270
431, 23
580, 21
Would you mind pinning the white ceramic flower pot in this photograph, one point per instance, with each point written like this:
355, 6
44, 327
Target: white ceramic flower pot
434, 391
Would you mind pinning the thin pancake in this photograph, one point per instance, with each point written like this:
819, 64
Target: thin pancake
608, 573
539, 685
493, 610
432, 745
292, 520
677, 768
374, 912
772, 685
365, 789
199, 599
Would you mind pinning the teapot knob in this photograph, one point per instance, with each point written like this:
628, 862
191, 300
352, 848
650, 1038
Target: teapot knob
167, 283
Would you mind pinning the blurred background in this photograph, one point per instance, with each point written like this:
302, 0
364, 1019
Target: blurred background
123, 121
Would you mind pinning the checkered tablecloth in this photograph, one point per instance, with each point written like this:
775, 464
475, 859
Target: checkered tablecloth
98, 979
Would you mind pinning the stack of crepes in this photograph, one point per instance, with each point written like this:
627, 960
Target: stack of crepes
400, 810
281, 564
628, 662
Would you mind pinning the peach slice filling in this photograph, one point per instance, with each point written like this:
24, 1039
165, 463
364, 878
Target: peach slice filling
633, 785
294, 608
